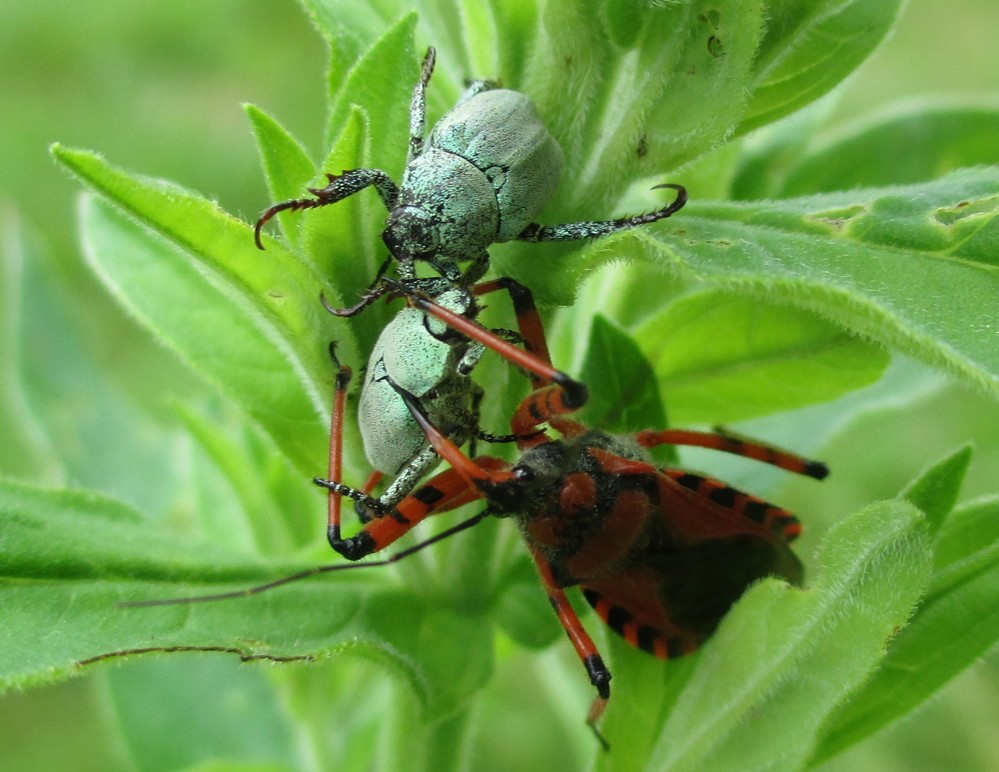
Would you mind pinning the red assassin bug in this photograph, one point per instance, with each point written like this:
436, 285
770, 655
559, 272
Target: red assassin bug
661, 554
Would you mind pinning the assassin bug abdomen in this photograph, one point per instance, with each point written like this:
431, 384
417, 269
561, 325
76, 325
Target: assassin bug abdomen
661, 554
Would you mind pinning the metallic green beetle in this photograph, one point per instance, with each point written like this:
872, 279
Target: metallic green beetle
423, 355
418, 352
487, 169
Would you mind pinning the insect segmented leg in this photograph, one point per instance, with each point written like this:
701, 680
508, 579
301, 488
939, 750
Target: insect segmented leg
728, 442
575, 392
352, 181
586, 650
442, 493
418, 107
587, 230
340, 187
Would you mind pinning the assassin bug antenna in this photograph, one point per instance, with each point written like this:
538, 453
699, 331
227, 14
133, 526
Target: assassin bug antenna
309, 572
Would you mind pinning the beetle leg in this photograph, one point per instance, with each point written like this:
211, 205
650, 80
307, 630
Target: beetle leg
340, 186
474, 87
740, 446
441, 493
588, 230
371, 294
402, 484
418, 107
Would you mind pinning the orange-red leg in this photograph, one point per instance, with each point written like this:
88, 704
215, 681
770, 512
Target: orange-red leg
443, 492
535, 363
587, 651
335, 470
731, 443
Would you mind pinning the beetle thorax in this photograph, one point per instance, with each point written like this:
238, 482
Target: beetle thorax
446, 211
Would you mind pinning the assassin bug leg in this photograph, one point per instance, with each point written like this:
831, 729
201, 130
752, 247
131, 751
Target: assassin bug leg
342, 380
586, 650
539, 366
728, 442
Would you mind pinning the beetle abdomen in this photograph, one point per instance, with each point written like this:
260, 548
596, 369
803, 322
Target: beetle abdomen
501, 134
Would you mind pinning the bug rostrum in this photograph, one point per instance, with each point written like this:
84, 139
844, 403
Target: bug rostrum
485, 172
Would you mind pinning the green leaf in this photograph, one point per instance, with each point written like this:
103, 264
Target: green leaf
247, 322
785, 652
770, 358
286, 163
25, 449
655, 105
279, 509
972, 527
71, 558
766, 156
627, 398
809, 48
935, 490
381, 82
906, 143
911, 268
206, 707
956, 623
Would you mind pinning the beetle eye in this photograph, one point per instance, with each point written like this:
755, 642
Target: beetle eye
410, 234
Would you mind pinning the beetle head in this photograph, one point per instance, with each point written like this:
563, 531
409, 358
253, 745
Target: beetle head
411, 234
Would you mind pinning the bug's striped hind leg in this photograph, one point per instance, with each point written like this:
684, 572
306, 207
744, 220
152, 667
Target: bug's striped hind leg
728, 442
442, 493
587, 651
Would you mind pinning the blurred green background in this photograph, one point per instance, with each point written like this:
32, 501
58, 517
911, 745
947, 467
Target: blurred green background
157, 88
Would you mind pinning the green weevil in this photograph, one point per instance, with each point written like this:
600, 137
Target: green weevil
418, 353
485, 172
488, 167
426, 357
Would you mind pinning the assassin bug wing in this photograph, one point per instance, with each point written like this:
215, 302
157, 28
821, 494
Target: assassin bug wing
702, 545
